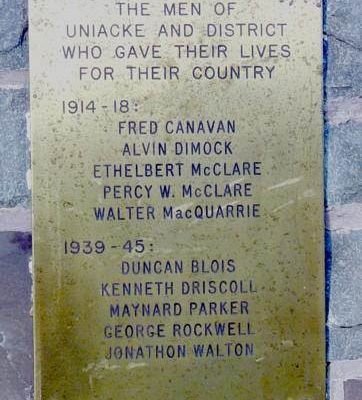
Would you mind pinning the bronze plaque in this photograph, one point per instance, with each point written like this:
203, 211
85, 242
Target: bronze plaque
178, 201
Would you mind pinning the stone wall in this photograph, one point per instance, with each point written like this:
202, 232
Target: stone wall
343, 149
16, 349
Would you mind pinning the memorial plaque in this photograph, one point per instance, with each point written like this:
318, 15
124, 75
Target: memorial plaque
178, 199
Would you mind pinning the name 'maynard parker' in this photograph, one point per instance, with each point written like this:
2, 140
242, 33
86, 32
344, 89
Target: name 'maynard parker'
137, 309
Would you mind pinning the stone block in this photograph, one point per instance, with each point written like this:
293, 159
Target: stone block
345, 296
344, 32
343, 164
345, 280
344, 20
344, 70
344, 343
13, 34
353, 389
17, 58
14, 154
16, 348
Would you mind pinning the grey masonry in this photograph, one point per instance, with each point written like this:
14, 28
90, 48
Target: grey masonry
343, 149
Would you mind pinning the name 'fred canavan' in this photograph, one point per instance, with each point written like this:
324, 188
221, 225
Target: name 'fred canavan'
175, 127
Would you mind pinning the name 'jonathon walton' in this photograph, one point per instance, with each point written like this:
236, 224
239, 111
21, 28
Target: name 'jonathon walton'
169, 352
